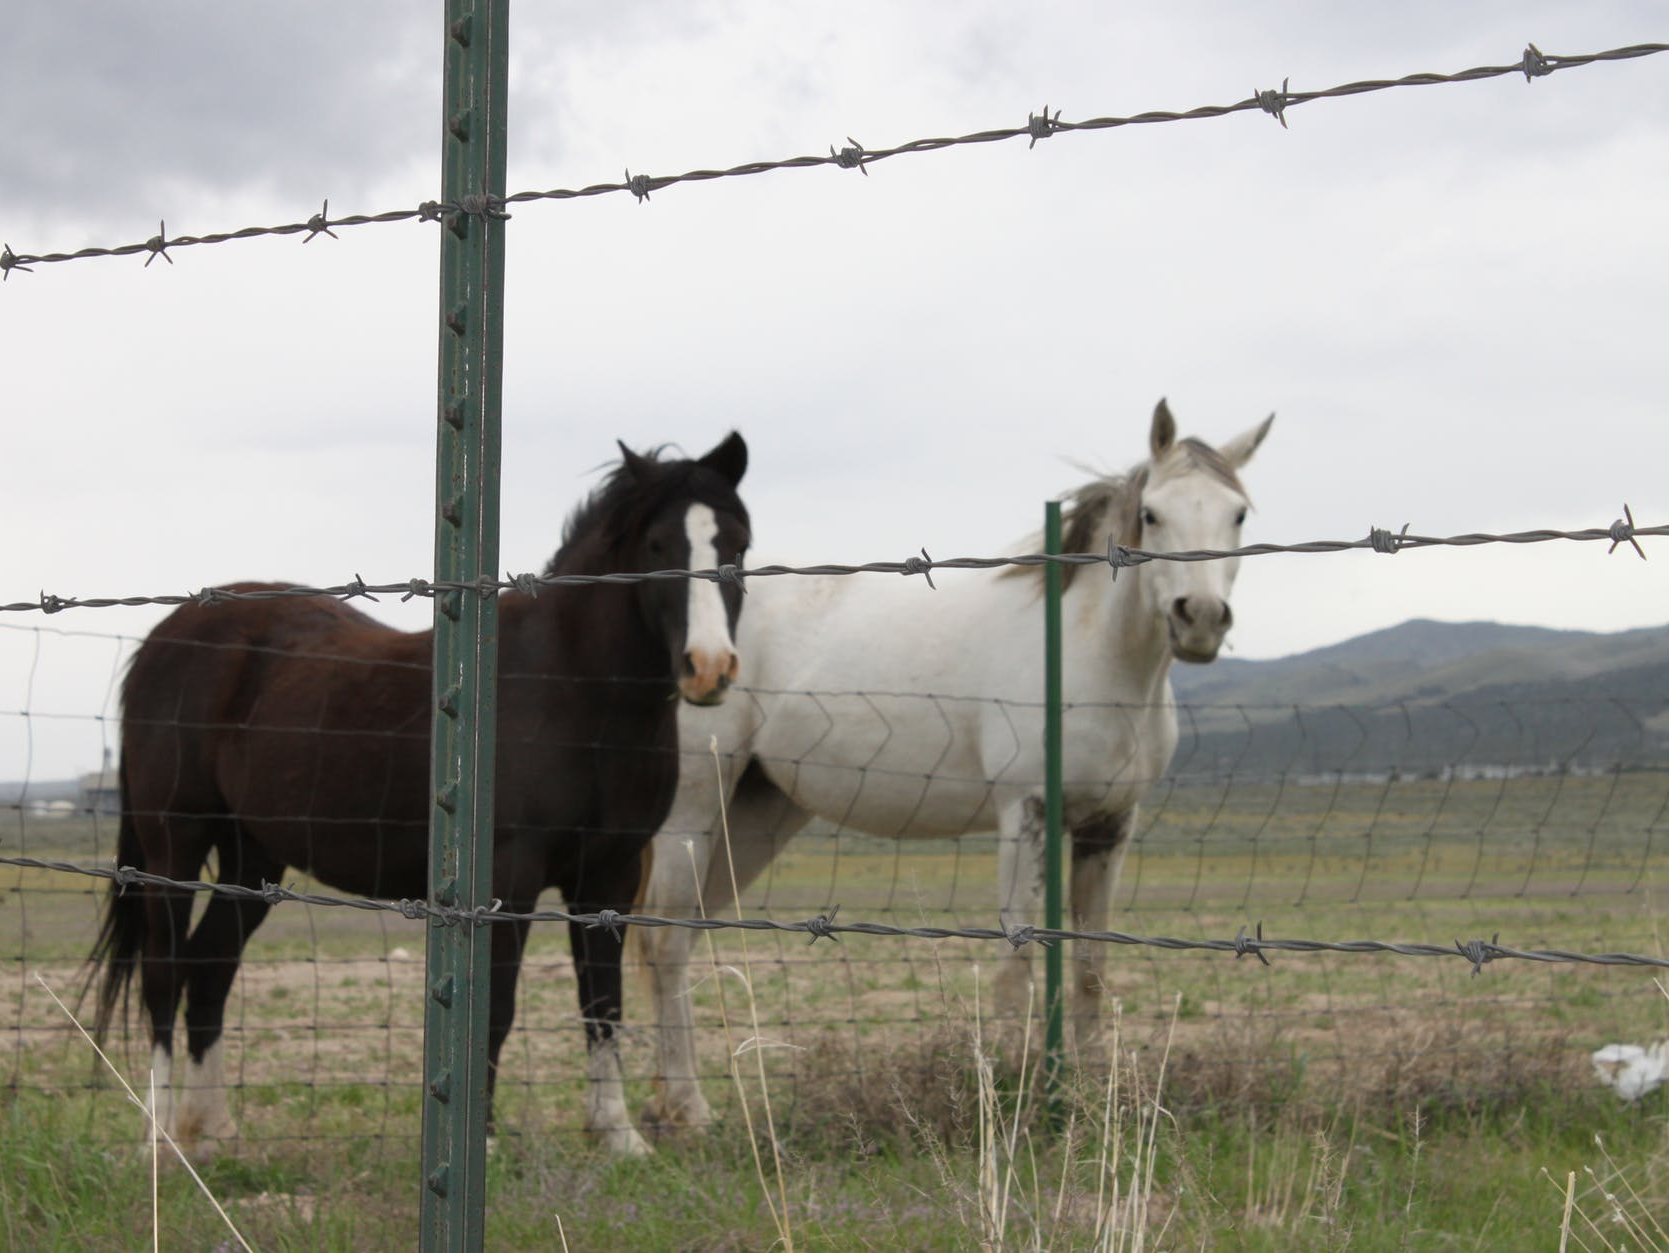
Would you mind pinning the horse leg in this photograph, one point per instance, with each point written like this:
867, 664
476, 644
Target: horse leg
167, 915
605, 876
1098, 848
672, 893
1020, 868
597, 954
678, 863
162, 976
202, 1113
760, 818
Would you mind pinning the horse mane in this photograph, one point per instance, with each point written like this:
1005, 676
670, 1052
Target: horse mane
628, 498
1108, 509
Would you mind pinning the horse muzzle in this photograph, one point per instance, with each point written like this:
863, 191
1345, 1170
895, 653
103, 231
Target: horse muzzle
1198, 625
707, 675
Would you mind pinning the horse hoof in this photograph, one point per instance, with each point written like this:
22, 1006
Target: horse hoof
661, 1117
623, 1142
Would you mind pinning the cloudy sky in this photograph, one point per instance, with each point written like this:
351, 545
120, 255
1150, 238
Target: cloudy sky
1452, 297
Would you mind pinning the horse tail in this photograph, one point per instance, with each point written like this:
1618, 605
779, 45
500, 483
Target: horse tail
636, 956
121, 935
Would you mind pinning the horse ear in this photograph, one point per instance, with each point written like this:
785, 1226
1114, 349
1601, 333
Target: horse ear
729, 457
1238, 451
1163, 436
633, 462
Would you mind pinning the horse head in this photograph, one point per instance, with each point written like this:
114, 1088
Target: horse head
1191, 498
694, 520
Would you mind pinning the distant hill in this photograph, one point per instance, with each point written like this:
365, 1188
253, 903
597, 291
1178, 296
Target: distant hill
1426, 696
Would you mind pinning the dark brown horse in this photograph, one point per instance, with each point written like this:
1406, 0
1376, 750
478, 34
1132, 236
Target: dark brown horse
295, 732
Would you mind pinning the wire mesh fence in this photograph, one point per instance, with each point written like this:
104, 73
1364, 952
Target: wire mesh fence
1330, 841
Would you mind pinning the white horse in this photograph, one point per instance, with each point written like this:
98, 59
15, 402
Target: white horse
926, 716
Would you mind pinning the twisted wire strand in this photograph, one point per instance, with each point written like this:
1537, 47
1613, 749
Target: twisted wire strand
1478, 952
1532, 64
1117, 557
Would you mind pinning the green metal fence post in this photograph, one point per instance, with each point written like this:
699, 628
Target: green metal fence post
466, 623
1054, 1044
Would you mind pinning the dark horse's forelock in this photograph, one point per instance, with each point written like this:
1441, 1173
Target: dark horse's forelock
623, 504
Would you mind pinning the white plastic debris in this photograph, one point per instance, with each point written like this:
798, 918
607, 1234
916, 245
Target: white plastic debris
1631, 1070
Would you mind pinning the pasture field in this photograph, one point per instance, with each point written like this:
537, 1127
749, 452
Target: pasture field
1324, 1101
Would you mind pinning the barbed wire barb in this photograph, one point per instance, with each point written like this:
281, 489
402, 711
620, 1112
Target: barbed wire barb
850, 158
1622, 532
1383, 541
922, 565
1479, 953
319, 224
158, 245
1244, 944
822, 926
1041, 126
1274, 102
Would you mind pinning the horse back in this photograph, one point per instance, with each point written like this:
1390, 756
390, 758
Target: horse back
302, 718
213, 664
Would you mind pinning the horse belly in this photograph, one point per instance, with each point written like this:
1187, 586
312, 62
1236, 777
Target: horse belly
892, 765
329, 771
350, 811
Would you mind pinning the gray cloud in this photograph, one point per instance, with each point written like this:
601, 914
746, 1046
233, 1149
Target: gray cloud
115, 110
130, 106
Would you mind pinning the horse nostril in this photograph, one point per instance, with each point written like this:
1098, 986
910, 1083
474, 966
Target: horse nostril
1179, 607
1228, 616
689, 666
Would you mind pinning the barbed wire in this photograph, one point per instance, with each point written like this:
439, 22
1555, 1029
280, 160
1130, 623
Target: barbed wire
823, 926
1532, 64
1117, 556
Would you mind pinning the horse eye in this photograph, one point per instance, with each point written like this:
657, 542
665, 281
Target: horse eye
1149, 518
1240, 518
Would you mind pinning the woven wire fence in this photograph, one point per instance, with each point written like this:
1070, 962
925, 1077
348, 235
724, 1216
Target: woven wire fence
1513, 839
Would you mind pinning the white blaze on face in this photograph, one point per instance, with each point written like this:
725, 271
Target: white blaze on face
707, 644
